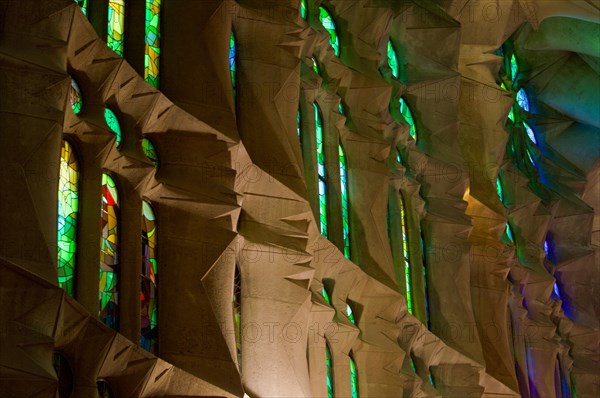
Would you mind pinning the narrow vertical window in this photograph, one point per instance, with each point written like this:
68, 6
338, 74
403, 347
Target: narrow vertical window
83, 5
315, 66
329, 25
344, 191
425, 289
76, 98
68, 208
237, 312
326, 295
321, 170
149, 288
407, 271
303, 9
407, 115
299, 124
116, 26
113, 124
109, 254
392, 59
329, 370
152, 49
232, 61
353, 377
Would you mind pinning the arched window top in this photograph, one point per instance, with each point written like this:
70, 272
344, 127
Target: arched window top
149, 286
113, 124
329, 25
392, 59
350, 314
109, 254
149, 151
353, 377
152, 47
116, 26
303, 9
329, 369
104, 389
68, 208
64, 375
232, 59
345, 206
407, 115
75, 97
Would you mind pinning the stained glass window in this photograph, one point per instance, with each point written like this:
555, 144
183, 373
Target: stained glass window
237, 312
530, 133
68, 207
109, 254
113, 124
149, 288
499, 189
350, 314
407, 115
509, 233
104, 390
425, 288
149, 151
392, 59
514, 68
326, 295
303, 9
321, 171
299, 123
353, 377
75, 97
407, 272
316, 66
83, 5
232, 61
329, 369
152, 50
116, 26
329, 25
64, 375
523, 100
344, 189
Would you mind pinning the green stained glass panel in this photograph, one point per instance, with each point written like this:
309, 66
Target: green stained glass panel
68, 209
329, 25
392, 59
232, 61
353, 378
149, 151
152, 46
350, 314
303, 9
149, 283
514, 67
499, 189
116, 26
509, 233
237, 311
326, 295
407, 270
75, 97
109, 254
321, 171
345, 206
316, 66
83, 5
329, 370
113, 124
407, 115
